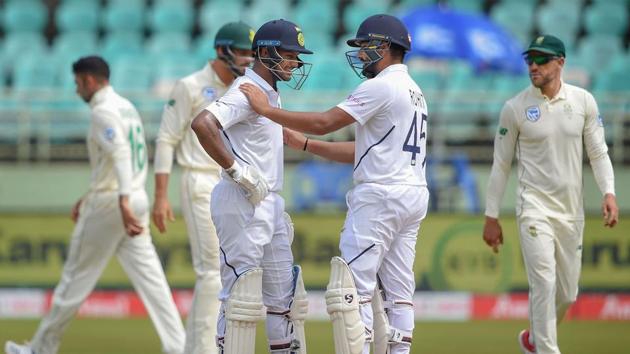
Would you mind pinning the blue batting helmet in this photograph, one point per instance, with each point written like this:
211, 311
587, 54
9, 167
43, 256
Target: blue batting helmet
382, 27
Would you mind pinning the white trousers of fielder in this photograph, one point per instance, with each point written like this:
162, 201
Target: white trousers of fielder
552, 252
379, 239
254, 238
97, 236
201, 326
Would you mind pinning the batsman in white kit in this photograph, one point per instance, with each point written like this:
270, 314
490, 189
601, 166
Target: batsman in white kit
255, 233
370, 292
111, 219
233, 44
548, 126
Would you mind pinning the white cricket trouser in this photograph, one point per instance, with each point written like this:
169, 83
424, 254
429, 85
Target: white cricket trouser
552, 252
98, 235
201, 326
254, 237
379, 239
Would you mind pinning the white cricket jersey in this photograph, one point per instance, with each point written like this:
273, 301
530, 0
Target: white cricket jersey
547, 137
116, 134
390, 139
251, 138
189, 97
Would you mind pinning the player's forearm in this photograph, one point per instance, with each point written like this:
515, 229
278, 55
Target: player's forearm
208, 132
335, 151
163, 161
604, 174
496, 188
161, 185
306, 122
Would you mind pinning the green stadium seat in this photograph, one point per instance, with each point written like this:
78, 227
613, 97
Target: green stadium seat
466, 5
75, 44
606, 18
169, 70
118, 44
203, 46
517, 18
260, 12
328, 73
313, 17
215, 14
554, 18
22, 44
78, 16
29, 75
168, 44
354, 14
166, 16
120, 16
132, 75
596, 51
24, 16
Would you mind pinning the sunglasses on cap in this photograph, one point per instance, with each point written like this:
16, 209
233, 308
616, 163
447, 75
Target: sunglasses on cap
539, 59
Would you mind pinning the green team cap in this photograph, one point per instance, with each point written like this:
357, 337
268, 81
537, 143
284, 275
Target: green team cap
547, 44
235, 35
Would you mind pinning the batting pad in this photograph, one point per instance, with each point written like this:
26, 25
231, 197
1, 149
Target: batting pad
342, 304
380, 324
244, 309
299, 309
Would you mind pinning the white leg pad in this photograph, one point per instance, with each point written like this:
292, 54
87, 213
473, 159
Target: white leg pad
244, 309
380, 324
342, 304
299, 310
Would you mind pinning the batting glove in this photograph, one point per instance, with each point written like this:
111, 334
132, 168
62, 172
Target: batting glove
256, 189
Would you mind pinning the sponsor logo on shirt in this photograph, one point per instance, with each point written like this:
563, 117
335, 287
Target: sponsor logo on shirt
171, 102
355, 100
109, 134
532, 113
209, 93
532, 231
600, 120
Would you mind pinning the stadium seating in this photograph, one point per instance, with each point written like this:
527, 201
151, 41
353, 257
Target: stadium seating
516, 17
168, 16
24, 16
120, 16
77, 16
606, 18
216, 13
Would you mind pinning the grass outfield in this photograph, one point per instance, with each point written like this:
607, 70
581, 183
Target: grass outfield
133, 336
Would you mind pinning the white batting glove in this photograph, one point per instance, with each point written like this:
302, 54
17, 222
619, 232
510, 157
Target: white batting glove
250, 180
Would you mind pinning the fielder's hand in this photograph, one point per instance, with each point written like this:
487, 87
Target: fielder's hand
74, 214
293, 139
161, 212
250, 180
610, 210
132, 225
257, 99
493, 234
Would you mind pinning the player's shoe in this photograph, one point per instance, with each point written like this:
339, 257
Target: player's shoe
14, 348
523, 342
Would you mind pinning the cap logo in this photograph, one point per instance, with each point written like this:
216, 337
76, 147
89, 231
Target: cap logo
300, 39
251, 35
540, 39
409, 37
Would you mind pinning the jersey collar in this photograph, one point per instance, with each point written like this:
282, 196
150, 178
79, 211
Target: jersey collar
251, 74
393, 68
100, 95
562, 93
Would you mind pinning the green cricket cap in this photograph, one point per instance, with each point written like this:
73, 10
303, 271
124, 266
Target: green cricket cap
237, 35
547, 44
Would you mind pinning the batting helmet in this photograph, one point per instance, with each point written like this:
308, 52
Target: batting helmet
280, 34
382, 27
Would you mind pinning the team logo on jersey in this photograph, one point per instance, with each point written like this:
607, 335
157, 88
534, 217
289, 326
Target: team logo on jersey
110, 134
171, 102
502, 131
600, 120
532, 113
532, 231
209, 93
